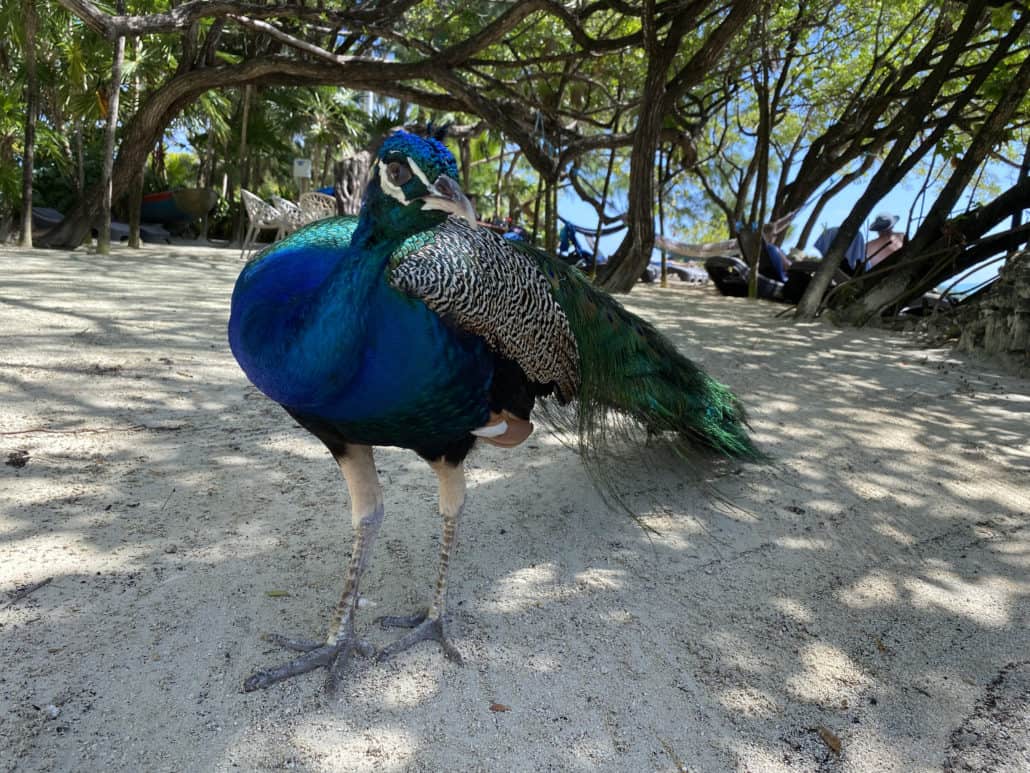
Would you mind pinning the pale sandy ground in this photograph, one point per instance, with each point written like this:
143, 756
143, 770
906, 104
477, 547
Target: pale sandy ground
872, 583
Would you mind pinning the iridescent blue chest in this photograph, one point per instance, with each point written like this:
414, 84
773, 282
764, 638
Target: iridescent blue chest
316, 327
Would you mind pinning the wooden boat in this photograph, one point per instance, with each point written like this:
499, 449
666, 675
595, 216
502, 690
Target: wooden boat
181, 206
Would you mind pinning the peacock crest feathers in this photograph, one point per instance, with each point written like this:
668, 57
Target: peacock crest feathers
438, 132
431, 155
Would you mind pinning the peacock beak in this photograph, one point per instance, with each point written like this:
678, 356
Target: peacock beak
446, 195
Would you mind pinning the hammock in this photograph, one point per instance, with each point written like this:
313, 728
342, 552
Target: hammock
730, 247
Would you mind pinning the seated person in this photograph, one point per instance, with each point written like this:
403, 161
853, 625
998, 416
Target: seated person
775, 263
887, 241
516, 234
854, 255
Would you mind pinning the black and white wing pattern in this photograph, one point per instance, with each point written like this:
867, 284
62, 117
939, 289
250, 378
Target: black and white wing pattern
489, 288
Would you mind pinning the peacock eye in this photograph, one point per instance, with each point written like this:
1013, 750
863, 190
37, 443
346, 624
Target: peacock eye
398, 173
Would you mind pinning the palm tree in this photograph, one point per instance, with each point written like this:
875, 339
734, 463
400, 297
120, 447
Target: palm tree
336, 124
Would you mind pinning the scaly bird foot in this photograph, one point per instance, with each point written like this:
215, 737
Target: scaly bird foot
424, 628
333, 656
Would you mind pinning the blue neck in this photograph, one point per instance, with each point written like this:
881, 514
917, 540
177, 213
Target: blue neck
304, 312
384, 222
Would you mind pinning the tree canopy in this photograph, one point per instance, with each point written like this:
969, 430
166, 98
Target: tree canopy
727, 113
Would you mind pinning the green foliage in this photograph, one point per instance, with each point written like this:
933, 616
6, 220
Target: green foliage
180, 170
54, 182
10, 145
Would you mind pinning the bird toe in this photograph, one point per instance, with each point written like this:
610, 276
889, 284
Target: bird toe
403, 621
429, 629
334, 657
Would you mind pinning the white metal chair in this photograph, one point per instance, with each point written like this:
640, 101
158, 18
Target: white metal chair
260, 215
317, 206
292, 216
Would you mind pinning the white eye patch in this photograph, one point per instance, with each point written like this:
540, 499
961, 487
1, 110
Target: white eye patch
395, 191
391, 189
420, 174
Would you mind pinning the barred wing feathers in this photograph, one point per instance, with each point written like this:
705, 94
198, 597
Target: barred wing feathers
477, 280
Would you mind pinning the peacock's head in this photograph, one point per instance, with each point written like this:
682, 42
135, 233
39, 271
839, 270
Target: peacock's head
412, 183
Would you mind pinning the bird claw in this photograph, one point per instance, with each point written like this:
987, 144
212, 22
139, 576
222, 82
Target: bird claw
424, 628
332, 656
297, 645
403, 621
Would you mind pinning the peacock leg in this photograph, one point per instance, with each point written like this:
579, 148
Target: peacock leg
366, 496
428, 624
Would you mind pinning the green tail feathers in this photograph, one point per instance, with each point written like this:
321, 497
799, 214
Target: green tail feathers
634, 379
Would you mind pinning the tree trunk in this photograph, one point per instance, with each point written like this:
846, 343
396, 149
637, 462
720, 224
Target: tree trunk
548, 212
536, 205
327, 159
136, 186
80, 159
497, 184
135, 208
763, 142
465, 153
662, 171
349, 177
104, 238
634, 253
515, 210
658, 94
241, 214
551, 240
898, 164
32, 108
1024, 175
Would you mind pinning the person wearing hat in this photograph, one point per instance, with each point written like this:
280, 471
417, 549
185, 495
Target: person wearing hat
887, 241
854, 256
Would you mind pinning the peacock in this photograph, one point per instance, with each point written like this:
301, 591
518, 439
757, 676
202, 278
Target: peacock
411, 326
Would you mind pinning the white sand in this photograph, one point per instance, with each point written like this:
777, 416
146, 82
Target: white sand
873, 582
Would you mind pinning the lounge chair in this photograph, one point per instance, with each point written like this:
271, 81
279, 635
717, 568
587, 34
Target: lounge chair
45, 218
731, 274
260, 216
293, 216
